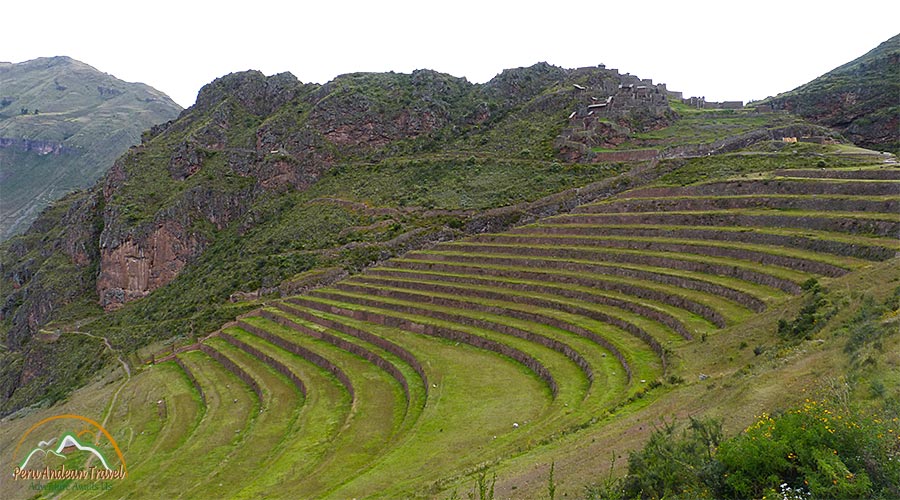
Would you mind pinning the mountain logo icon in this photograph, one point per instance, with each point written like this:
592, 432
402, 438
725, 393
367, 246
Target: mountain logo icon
77, 448
67, 444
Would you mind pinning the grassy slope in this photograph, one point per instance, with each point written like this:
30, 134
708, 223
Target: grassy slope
741, 386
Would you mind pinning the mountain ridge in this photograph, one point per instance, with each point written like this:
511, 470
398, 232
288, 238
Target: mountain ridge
858, 98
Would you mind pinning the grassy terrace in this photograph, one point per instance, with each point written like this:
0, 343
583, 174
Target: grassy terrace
773, 276
826, 264
741, 292
376, 414
705, 305
325, 412
276, 423
411, 378
454, 428
537, 293
540, 360
148, 431
539, 325
879, 172
826, 202
877, 225
226, 427
762, 184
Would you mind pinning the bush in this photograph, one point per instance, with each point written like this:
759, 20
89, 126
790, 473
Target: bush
817, 310
818, 448
671, 465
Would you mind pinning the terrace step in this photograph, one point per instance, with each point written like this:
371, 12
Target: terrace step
293, 348
230, 407
776, 277
280, 404
377, 411
838, 222
326, 414
832, 243
364, 336
512, 266
498, 305
845, 187
444, 310
162, 414
808, 262
830, 203
436, 328
369, 355
528, 293
877, 173
589, 288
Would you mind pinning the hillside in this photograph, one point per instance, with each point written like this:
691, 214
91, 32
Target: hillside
858, 99
559, 341
406, 283
62, 124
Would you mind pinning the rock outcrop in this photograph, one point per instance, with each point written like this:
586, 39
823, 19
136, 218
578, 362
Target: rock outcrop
134, 268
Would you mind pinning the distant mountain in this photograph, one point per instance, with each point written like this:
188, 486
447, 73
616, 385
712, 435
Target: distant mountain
62, 124
861, 99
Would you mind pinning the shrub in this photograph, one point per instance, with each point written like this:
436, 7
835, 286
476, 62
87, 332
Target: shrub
817, 310
818, 448
671, 465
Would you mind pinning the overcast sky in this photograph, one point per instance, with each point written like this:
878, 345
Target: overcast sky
723, 50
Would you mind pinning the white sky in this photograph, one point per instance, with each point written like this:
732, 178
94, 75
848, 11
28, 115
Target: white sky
724, 50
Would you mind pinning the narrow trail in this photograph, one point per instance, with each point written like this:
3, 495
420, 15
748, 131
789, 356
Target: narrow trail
115, 396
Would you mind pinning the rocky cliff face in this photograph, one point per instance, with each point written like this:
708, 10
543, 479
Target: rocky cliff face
136, 267
248, 135
36, 146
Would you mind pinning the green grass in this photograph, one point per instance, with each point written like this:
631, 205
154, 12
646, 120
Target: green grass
694, 170
546, 288
326, 410
753, 211
275, 426
150, 438
550, 359
456, 182
455, 431
835, 260
510, 303
376, 415
484, 260
417, 389
644, 364
227, 425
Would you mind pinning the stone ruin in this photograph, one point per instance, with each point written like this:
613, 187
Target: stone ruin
702, 103
612, 107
